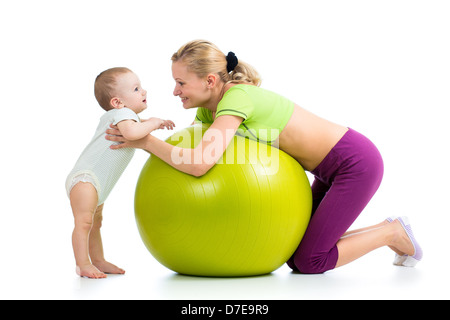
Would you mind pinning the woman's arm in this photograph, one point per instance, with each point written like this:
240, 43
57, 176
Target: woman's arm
132, 130
195, 161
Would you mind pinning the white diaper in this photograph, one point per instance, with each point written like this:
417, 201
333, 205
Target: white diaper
82, 177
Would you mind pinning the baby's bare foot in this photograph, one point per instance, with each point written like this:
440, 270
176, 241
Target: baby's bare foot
107, 267
90, 271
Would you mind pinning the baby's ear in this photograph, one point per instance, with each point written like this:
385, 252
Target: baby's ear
116, 103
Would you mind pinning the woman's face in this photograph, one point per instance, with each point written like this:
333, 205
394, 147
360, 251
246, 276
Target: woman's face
189, 87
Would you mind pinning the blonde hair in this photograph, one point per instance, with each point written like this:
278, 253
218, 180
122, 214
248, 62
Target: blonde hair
105, 84
202, 57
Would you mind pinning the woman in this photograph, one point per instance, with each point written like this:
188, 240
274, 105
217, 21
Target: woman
347, 167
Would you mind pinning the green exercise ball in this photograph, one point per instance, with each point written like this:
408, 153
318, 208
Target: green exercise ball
245, 217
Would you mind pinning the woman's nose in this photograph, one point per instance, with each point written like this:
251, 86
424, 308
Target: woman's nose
176, 91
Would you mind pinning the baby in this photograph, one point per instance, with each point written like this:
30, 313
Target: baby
119, 92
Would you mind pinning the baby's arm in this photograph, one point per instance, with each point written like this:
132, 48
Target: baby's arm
132, 130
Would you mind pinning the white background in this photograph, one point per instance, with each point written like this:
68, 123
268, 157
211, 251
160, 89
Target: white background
380, 67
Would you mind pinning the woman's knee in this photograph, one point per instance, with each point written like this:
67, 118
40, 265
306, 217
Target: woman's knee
316, 263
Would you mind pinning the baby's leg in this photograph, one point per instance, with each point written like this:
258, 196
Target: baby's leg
96, 246
83, 199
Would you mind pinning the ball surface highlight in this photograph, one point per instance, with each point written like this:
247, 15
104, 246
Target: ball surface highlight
245, 217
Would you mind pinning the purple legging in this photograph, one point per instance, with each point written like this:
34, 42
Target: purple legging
345, 181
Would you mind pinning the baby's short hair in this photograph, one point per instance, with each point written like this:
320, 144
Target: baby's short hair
105, 84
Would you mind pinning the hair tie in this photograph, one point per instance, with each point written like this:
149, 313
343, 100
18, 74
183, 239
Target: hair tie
232, 61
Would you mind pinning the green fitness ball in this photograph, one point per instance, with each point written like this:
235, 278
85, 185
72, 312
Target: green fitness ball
245, 217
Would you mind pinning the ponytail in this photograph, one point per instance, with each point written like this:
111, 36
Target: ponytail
203, 57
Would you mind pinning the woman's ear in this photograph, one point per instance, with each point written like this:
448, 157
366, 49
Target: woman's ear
211, 80
116, 103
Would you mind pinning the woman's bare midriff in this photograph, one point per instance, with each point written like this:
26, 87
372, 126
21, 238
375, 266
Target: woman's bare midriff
309, 138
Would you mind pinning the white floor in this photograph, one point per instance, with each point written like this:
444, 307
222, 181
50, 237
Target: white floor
45, 270
142, 282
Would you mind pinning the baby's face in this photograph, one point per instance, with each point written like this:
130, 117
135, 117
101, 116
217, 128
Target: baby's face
131, 93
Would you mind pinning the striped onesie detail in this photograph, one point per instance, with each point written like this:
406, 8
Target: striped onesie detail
98, 164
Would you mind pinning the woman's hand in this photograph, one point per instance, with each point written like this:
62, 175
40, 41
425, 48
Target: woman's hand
114, 134
214, 143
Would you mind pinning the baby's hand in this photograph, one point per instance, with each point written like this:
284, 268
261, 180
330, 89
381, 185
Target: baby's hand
160, 123
169, 124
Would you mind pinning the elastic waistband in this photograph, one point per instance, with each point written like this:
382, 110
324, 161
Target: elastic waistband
353, 153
